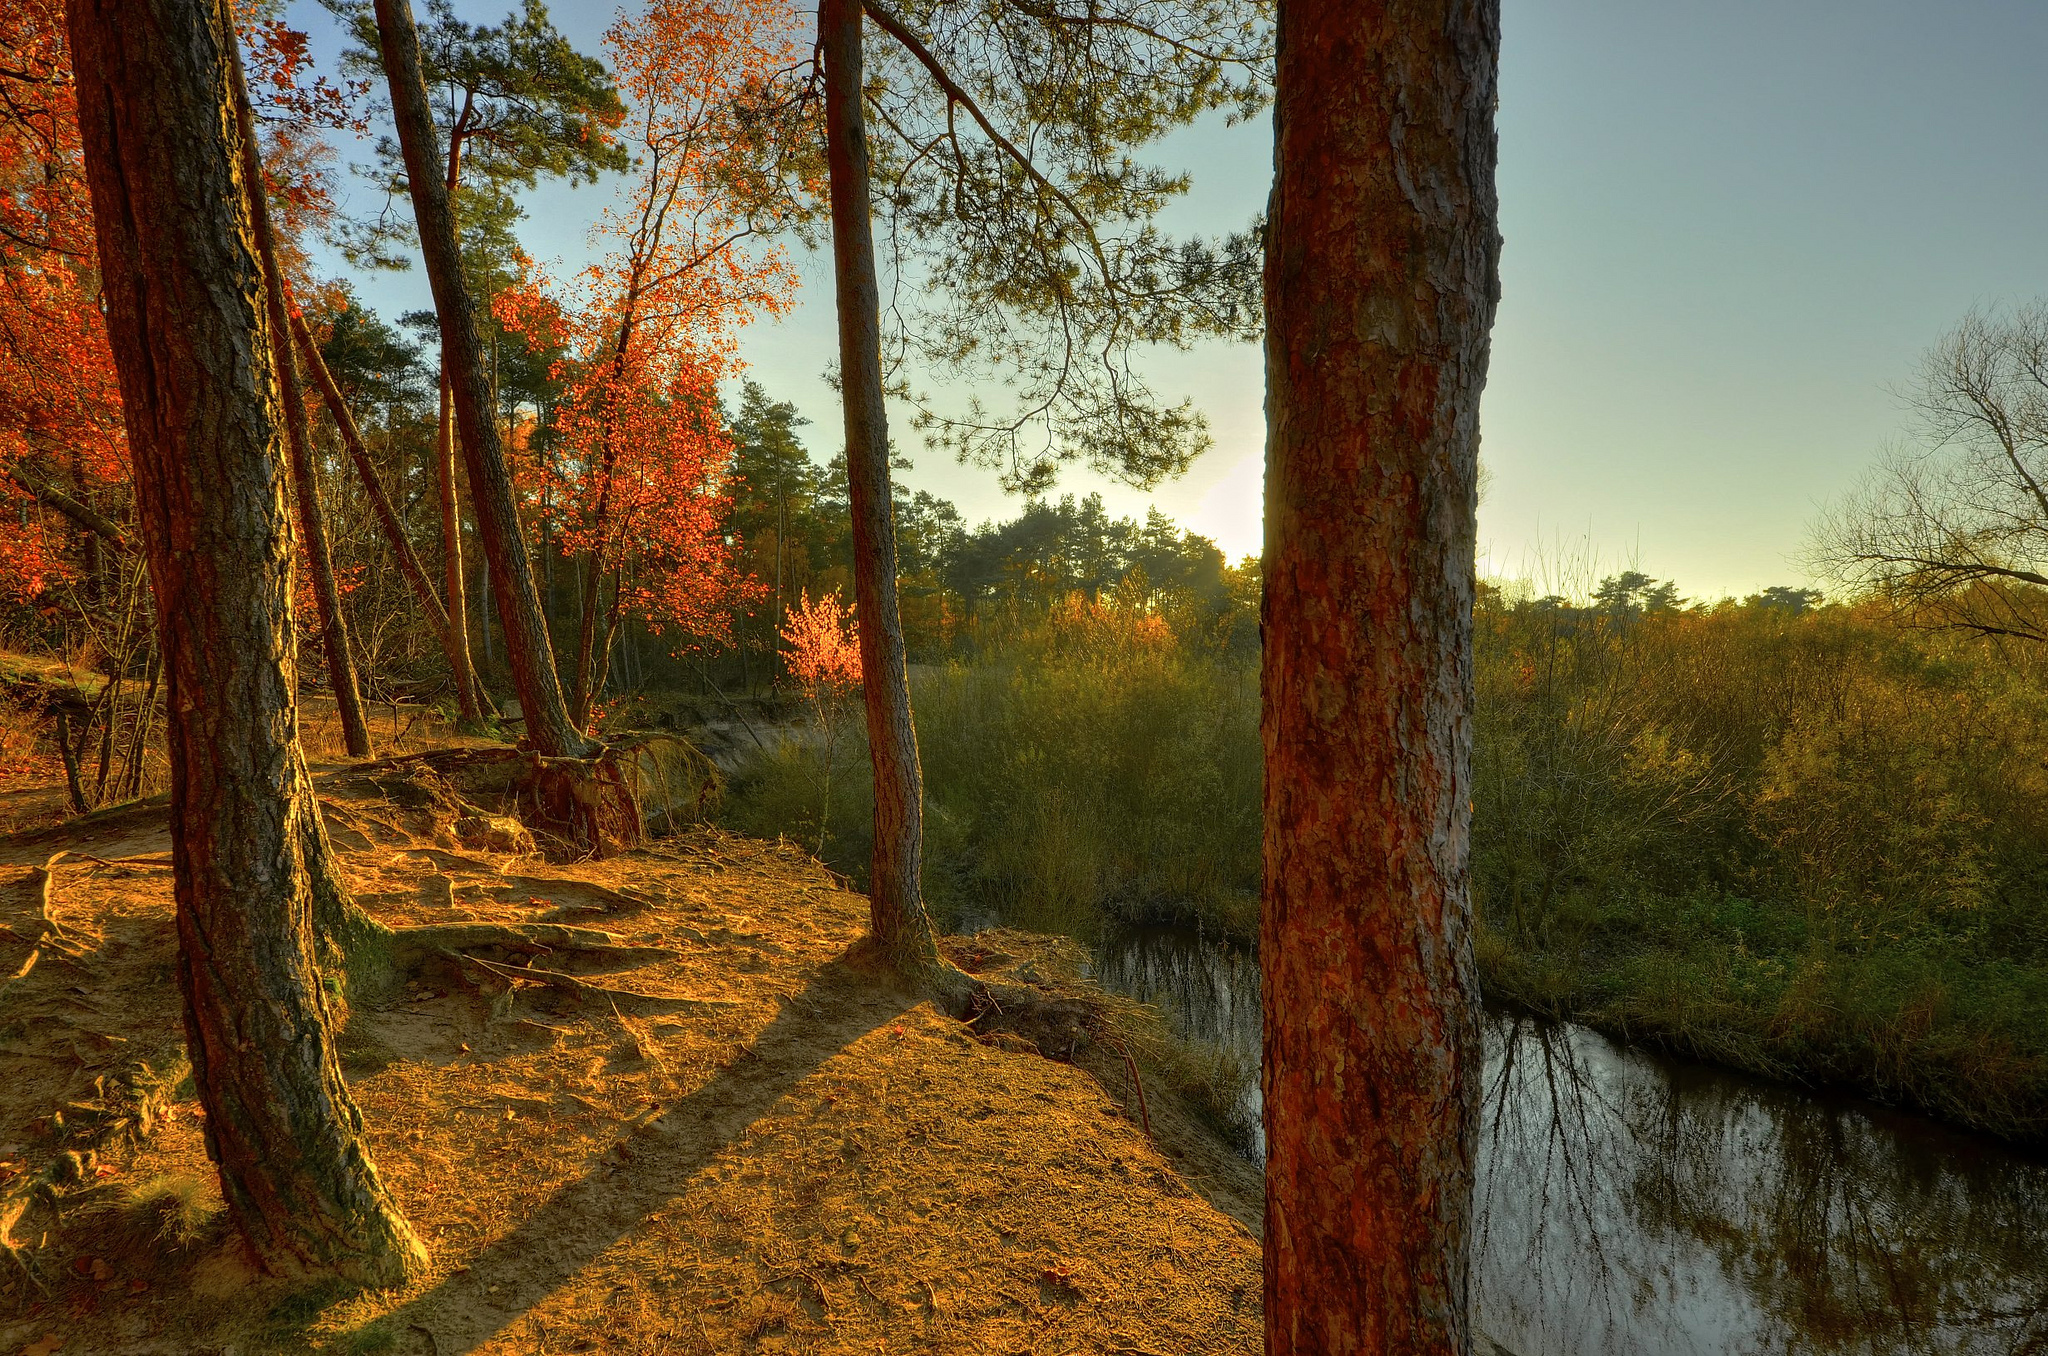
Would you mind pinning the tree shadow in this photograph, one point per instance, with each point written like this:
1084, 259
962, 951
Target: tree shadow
844, 1002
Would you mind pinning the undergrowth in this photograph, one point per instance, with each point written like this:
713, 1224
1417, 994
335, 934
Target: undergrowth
1809, 845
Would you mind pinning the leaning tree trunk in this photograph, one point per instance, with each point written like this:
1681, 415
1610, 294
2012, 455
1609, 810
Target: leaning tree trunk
454, 580
527, 648
896, 903
373, 486
185, 320
1381, 280
341, 669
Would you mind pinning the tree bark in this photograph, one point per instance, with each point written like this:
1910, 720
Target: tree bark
186, 322
527, 649
341, 669
901, 927
454, 580
1381, 282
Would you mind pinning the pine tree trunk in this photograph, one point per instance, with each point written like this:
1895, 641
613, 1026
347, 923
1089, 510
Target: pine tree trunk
1381, 281
901, 927
186, 322
527, 649
341, 669
453, 579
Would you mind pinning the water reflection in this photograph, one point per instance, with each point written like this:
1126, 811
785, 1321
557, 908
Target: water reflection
1630, 1204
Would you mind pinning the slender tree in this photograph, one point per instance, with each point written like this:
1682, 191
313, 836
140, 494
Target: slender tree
386, 512
1009, 181
1381, 281
527, 648
190, 337
901, 927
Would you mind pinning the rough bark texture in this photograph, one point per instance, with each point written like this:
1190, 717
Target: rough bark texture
1381, 281
527, 648
902, 928
341, 669
186, 322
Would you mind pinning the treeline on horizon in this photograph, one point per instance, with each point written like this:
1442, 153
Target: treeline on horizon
780, 513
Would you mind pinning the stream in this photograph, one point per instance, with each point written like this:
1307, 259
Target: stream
1629, 1203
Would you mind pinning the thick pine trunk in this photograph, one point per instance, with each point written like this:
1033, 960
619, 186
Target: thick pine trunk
1381, 280
341, 669
895, 891
527, 649
453, 578
186, 322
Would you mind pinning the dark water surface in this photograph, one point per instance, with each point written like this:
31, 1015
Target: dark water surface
1633, 1204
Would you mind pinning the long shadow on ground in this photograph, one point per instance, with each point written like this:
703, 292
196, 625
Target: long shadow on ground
844, 1003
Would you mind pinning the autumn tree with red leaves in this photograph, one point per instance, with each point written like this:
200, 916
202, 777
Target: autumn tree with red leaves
634, 479
61, 440
60, 414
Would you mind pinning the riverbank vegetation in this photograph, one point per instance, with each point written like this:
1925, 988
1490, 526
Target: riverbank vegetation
1800, 839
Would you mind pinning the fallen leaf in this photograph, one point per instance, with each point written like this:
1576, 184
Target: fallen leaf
43, 1345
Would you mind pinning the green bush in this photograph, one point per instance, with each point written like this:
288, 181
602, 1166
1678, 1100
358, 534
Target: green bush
1082, 767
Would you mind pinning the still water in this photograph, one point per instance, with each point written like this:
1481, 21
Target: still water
1633, 1204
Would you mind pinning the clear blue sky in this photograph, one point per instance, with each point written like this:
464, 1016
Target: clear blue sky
1731, 227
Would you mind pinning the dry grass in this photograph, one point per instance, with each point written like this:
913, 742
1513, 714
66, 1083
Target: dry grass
775, 1151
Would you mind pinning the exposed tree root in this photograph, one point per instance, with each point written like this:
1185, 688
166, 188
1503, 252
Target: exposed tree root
620, 1000
603, 898
411, 946
124, 1108
53, 937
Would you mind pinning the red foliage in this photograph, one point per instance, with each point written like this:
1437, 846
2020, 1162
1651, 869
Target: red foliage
824, 647
60, 404
59, 397
635, 478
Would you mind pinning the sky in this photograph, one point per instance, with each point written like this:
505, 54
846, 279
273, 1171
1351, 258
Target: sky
1731, 228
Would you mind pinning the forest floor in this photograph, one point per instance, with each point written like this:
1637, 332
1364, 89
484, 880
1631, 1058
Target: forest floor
752, 1144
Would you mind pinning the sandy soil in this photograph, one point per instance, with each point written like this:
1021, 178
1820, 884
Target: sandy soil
745, 1143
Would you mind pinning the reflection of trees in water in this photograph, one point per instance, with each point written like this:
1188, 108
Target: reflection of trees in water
1628, 1204
1555, 1266
1633, 1206
1208, 993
